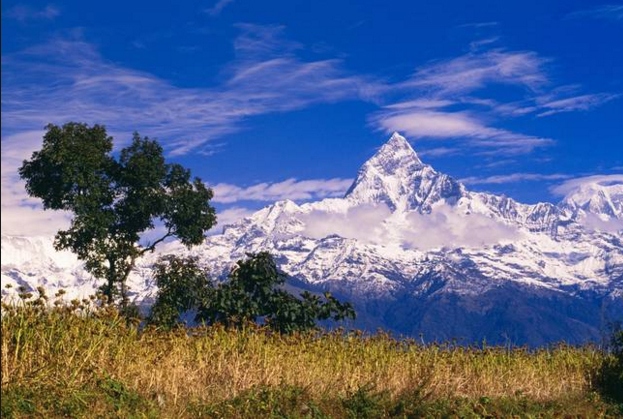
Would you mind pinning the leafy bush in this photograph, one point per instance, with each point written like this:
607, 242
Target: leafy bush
182, 285
611, 375
252, 294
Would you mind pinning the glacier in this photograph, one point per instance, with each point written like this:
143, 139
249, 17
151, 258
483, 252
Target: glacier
416, 252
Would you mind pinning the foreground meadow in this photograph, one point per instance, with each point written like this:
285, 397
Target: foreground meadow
97, 364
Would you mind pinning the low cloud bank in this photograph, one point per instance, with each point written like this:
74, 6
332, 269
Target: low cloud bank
375, 224
446, 226
366, 223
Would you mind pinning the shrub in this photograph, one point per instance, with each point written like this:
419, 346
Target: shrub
252, 294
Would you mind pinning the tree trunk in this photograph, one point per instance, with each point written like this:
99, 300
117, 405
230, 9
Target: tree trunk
110, 286
123, 284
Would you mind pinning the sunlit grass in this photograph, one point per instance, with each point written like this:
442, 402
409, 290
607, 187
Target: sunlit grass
96, 358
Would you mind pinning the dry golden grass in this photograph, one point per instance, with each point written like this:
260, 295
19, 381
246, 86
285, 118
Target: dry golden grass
56, 348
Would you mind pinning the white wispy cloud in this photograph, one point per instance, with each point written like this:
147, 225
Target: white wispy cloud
439, 151
605, 11
288, 189
576, 103
479, 25
514, 178
23, 12
74, 82
572, 185
218, 7
448, 102
555, 99
468, 127
445, 106
475, 70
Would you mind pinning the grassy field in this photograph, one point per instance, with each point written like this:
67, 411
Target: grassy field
59, 364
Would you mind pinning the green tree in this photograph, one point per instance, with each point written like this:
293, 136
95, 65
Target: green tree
253, 293
115, 200
182, 283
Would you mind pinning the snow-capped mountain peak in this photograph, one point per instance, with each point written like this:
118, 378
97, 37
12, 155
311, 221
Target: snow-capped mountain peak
396, 176
398, 150
394, 159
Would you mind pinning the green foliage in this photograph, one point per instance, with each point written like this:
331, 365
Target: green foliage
262, 402
114, 201
182, 285
252, 294
611, 375
617, 348
105, 395
365, 403
119, 397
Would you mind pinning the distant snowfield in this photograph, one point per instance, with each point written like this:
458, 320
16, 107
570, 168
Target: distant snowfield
402, 231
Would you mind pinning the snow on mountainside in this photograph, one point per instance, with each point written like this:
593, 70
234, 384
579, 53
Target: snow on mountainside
604, 201
417, 252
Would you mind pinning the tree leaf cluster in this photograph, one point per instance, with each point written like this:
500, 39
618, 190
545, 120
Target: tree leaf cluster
253, 293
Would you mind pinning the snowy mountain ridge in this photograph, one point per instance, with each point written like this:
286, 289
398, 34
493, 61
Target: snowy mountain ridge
406, 237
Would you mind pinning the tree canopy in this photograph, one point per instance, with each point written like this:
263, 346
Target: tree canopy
115, 200
253, 293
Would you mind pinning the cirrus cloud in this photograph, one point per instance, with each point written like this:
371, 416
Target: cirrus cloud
292, 189
574, 184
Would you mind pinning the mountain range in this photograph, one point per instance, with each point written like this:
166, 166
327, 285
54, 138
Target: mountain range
416, 252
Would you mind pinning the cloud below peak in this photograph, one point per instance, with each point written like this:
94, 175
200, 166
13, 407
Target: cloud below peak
445, 226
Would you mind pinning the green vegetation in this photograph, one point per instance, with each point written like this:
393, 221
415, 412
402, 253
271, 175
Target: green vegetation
84, 360
611, 377
251, 294
113, 201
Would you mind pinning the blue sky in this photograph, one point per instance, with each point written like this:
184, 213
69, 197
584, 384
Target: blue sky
286, 99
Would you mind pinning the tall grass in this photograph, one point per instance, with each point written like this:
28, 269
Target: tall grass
56, 361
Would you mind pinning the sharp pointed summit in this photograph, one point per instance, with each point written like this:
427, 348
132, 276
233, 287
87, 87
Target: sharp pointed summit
398, 151
396, 176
